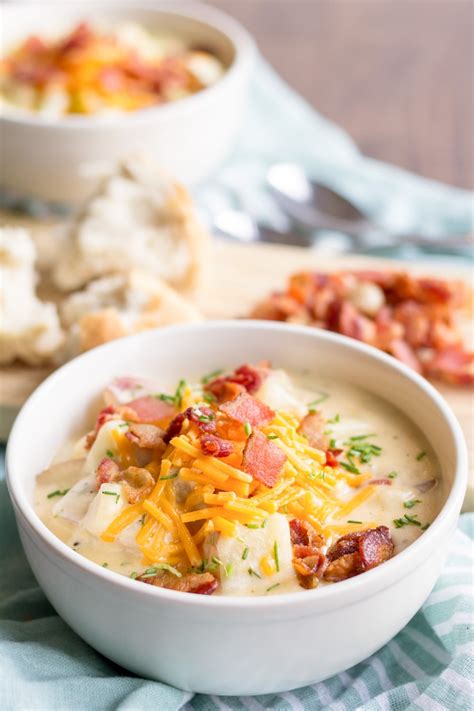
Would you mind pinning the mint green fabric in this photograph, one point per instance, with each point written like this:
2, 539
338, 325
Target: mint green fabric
45, 666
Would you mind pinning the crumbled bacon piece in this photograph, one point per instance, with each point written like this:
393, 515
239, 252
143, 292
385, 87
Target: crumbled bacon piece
263, 459
138, 483
174, 427
145, 436
309, 561
203, 417
357, 552
312, 427
380, 482
246, 408
214, 446
412, 318
107, 471
245, 377
332, 457
149, 409
197, 583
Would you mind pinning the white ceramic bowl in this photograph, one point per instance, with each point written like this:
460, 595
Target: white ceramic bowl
57, 159
222, 645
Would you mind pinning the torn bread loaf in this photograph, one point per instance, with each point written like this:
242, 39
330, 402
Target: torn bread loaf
141, 219
119, 305
29, 328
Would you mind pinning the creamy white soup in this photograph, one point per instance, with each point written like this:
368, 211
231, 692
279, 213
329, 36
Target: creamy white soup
250, 482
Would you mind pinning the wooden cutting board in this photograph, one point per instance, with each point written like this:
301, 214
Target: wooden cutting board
241, 275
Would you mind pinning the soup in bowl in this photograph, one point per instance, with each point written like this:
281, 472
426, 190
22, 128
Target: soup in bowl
228, 489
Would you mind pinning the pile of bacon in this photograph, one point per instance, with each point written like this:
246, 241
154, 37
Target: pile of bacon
412, 318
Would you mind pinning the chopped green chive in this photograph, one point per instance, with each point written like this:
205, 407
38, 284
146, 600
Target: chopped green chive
123, 424
245, 553
420, 456
411, 503
211, 376
228, 569
178, 396
272, 436
272, 587
150, 572
336, 418
133, 575
352, 521
359, 438
165, 398
169, 476
427, 525
406, 520
252, 525
392, 475
332, 444
209, 397
109, 453
349, 467
264, 523
248, 429
58, 492
251, 571
105, 565
323, 396
284, 508
275, 555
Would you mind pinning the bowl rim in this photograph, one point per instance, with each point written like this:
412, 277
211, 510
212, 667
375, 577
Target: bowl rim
371, 581
194, 10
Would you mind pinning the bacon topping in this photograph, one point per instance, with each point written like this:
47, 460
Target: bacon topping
245, 377
357, 552
107, 470
263, 459
137, 482
198, 583
106, 414
309, 561
145, 436
312, 427
331, 457
214, 446
150, 409
412, 318
246, 408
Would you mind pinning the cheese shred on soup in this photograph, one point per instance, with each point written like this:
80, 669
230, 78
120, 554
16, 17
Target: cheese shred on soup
242, 483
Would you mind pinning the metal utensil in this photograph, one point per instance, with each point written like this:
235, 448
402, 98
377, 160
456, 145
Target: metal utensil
238, 225
314, 206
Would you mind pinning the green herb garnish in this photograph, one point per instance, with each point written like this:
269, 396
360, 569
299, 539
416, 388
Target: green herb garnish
178, 396
272, 436
392, 475
406, 520
252, 525
335, 419
420, 456
272, 587
105, 565
264, 523
332, 444
245, 553
169, 476
248, 429
426, 525
150, 572
313, 403
276, 557
350, 467
352, 521
109, 453
359, 438
58, 492
228, 569
411, 503
251, 571
133, 575
209, 397
211, 376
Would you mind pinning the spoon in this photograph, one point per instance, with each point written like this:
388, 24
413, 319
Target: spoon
314, 206
238, 225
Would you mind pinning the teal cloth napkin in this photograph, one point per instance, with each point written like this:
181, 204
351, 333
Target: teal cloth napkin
281, 126
44, 666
